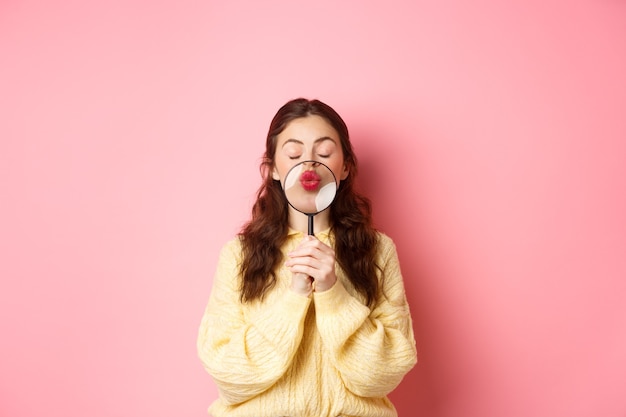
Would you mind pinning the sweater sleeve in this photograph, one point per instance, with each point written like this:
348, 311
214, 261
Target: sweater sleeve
373, 349
246, 355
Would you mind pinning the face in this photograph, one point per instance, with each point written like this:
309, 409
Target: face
308, 138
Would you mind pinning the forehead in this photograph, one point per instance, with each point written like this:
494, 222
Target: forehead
308, 128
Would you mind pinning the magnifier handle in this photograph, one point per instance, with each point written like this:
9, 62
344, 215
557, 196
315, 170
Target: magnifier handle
310, 224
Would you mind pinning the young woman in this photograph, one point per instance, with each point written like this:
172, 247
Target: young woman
299, 325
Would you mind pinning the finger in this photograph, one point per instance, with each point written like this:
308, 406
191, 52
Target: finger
315, 249
307, 265
316, 260
313, 268
308, 271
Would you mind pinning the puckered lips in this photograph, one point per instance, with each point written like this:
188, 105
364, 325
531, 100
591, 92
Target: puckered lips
310, 180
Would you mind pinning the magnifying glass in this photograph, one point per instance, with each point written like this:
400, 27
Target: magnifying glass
310, 188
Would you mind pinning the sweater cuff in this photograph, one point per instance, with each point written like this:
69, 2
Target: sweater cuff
294, 304
332, 300
338, 313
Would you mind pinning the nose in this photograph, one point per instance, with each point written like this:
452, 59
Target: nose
309, 153
311, 164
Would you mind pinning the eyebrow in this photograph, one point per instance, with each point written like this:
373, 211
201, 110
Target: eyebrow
299, 142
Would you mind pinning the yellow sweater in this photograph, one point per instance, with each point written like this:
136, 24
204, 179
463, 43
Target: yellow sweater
321, 356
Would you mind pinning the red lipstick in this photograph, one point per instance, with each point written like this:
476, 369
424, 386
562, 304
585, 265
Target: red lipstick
310, 180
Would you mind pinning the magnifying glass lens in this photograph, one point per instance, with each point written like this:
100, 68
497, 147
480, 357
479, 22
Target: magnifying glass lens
310, 188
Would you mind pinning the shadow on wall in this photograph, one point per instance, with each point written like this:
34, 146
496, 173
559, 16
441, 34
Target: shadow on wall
385, 177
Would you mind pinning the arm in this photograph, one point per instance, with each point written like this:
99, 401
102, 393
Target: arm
247, 355
371, 349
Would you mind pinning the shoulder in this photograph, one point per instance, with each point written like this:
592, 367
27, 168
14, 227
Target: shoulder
233, 244
231, 249
383, 239
386, 252
385, 243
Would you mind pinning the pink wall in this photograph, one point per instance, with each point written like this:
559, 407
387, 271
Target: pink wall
492, 138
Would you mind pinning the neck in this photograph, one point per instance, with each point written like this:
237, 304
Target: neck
300, 222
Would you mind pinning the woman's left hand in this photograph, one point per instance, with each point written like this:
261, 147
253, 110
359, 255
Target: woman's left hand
317, 260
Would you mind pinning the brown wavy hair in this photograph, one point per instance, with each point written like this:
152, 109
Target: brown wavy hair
355, 238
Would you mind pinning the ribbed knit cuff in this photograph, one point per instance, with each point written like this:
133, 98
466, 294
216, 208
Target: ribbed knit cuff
333, 299
338, 314
289, 310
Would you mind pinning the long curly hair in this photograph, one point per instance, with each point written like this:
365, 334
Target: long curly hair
355, 238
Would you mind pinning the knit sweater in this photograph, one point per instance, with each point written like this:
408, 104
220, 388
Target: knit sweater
289, 355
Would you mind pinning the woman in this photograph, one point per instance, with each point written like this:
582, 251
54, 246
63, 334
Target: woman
307, 326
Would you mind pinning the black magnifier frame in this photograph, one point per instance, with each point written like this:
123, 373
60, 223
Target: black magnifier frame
297, 170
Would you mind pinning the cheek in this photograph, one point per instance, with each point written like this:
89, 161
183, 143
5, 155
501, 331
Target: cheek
338, 168
281, 168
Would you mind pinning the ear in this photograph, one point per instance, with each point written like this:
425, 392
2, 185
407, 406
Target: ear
345, 172
275, 174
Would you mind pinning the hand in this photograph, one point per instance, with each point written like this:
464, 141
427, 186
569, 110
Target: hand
301, 284
315, 261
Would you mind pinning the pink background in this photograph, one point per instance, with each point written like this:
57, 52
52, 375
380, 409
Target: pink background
492, 140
